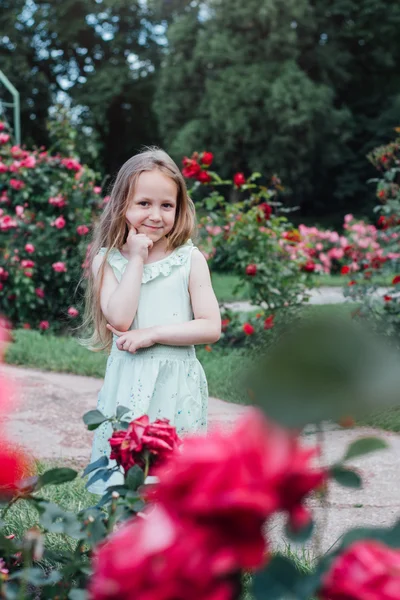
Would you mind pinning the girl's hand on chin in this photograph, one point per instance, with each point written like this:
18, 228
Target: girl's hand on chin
131, 341
137, 244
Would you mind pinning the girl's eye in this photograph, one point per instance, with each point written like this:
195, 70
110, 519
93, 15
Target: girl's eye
143, 203
168, 205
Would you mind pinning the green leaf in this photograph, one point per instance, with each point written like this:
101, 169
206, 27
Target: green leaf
134, 478
281, 579
56, 476
36, 576
56, 520
93, 419
121, 411
100, 475
364, 446
302, 536
97, 464
346, 477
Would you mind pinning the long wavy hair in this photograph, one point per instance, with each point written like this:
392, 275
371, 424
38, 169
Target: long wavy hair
111, 232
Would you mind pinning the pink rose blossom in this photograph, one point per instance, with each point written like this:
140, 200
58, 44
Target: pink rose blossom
2, 126
59, 267
19, 210
3, 167
7, 222
4, 138
17, 184
97, 189
58, 201
60, 222
15, 166
27, 263
29, 248
43, 325
73, 312
82, 229
71, 164
29, 162
39, 293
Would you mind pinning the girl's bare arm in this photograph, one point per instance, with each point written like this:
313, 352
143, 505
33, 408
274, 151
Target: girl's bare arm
206, 326
119, 301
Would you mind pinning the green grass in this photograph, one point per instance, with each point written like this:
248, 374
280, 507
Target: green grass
51, 353
225, 283
72, 496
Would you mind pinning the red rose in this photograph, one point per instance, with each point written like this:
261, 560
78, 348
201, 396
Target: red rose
352, 282
224, 324
266, 211
191, 168
269, 322
43, 325
309, 266
382, 223
158, 439
155, 557
366, 569
239, 179
14, 467
345, 270
387, 298
251, 270
233, 481
204, 177
381, 194
248, 329
207, 158
396, 280
292, 236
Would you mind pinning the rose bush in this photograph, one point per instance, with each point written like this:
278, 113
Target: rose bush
246, 236
382, 308
47, 205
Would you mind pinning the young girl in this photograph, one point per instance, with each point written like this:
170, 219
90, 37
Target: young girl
151, 300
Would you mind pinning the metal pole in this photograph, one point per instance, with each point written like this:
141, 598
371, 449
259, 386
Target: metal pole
16, 105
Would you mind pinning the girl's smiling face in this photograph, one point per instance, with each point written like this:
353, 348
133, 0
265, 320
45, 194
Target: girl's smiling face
152, 208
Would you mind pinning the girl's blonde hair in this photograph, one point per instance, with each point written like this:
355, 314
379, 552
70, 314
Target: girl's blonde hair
111, 232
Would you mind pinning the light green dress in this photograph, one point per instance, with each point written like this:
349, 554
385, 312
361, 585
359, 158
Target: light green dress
160, 381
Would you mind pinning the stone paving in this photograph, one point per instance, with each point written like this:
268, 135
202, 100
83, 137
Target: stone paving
48, 421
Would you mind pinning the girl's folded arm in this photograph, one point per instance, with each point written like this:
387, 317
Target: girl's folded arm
206, 326
119, 301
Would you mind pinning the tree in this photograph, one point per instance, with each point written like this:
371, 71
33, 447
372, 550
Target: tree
277, 86
100, 54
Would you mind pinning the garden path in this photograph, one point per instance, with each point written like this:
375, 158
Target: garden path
322, 295
47, 421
